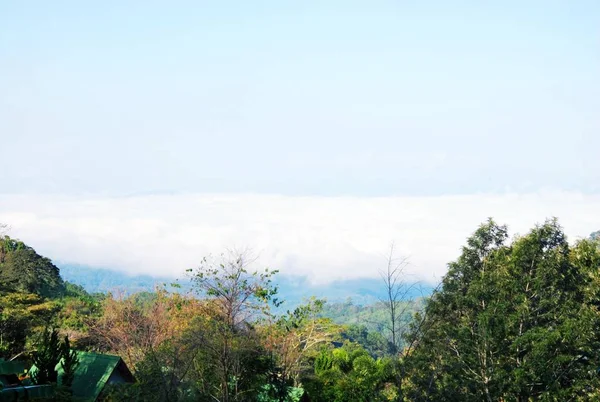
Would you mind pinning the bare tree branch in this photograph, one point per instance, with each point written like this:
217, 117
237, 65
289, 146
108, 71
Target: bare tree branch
396, 294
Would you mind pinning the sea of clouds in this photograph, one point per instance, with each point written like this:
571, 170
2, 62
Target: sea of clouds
322, 238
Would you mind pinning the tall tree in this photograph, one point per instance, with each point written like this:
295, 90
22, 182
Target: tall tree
238, 293
237, 299
350, 374
295, 337
69, 362
511, 322
46, 358
396, 300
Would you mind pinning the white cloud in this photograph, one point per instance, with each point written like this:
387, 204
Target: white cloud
322, 237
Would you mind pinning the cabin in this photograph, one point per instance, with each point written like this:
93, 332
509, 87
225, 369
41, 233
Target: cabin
93, 373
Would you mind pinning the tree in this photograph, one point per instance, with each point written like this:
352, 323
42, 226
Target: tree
396, 301
22, 315
69, 362
23, 270
239, 294
134, 330
236, 300
374, 342
294, 337
350, 374
158, 338
46, 358
511, 322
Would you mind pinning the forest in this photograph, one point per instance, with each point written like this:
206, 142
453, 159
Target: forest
514, 319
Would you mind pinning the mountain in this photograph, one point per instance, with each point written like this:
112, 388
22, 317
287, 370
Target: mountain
361, 291
295, 289
24, 270
101, 280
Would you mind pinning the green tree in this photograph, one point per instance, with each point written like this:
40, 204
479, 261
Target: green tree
22, 315
350, 374
69, 362
511, 322
46, 358
24, 270
374, 342
233, 359
293, 339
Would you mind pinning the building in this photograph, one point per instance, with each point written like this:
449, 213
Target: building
93, 373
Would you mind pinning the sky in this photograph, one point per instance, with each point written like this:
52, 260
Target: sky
337, 125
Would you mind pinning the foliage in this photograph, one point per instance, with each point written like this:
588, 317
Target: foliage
238, 294
23, 270
69, 362
372, 316
511, 322
234, 363
132, 330
349, 374
270, 393
76, 315
367, 324
293, 339
22, 315
46, 358
373, 342
27, 280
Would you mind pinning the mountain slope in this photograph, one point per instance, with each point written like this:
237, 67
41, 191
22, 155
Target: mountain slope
24, 270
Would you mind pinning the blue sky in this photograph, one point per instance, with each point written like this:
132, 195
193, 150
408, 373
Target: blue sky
143, 135
351, 98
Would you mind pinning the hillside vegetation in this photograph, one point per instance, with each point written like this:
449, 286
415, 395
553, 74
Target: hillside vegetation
513, 320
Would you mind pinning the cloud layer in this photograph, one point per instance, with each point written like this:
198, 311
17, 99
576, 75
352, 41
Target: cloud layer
324, 238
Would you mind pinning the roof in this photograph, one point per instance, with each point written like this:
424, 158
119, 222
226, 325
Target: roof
92, 374
11, 367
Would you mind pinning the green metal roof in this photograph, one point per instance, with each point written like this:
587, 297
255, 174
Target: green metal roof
12, 367
92, 374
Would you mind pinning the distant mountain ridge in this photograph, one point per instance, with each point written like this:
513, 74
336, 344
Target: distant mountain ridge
295, 289
362, 291
103, 280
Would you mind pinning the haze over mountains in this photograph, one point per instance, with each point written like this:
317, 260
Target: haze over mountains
362, 291
321, 238
296, 289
